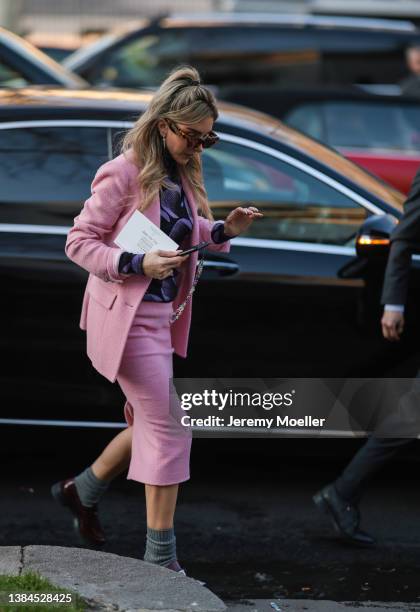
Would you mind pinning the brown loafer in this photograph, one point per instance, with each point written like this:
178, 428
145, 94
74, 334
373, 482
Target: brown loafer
86, 519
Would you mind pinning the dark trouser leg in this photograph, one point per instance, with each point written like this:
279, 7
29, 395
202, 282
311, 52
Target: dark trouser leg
373, 455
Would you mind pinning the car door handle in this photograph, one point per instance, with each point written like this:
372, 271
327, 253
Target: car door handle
221, 268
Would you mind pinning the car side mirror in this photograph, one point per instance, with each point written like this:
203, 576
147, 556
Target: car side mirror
373, 237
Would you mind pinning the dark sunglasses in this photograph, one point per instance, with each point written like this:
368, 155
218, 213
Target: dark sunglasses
194, 141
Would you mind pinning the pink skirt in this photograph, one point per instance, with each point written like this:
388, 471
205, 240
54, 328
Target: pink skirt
161, 444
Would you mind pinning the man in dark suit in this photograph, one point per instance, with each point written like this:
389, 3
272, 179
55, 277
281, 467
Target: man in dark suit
339, 500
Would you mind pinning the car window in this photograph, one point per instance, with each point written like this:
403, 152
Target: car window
222, 56
46, 172
360, 125
251, 55
296, 205
274, 55
9, 77
308, 118
277, 57
372, 126
144, 61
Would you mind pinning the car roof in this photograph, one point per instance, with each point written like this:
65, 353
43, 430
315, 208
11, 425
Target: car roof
286, 19
38, 96
213, 19
40, 102
26, 102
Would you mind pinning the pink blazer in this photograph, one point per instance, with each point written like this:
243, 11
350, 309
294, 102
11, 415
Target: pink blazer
111, 299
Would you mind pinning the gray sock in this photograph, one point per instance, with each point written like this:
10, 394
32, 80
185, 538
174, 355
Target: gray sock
90, 488
160, 546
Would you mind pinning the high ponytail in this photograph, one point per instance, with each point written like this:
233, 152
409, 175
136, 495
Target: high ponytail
180, 98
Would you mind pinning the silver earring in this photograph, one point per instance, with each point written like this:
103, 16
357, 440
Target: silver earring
164, 142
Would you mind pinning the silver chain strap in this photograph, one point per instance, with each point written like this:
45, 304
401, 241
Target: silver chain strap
178, 312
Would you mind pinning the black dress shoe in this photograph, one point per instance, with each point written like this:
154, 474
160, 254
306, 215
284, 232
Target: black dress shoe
344, 515
86, 519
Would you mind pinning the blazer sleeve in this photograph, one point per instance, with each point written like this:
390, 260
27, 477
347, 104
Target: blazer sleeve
85, 243
404, 240
205, 227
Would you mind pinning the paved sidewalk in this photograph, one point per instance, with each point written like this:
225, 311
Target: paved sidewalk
123, 584
111, 581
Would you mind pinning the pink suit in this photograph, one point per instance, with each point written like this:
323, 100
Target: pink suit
129, 340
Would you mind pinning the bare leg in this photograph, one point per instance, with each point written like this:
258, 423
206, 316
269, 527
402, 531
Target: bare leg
160, 500
160, 505
115, 458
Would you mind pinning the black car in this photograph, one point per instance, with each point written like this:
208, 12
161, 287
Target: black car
250, 49
291, 299
22, 64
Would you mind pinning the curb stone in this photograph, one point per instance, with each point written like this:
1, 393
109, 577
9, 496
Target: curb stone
111, 582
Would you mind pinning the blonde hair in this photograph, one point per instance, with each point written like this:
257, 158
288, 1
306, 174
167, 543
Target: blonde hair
180, 98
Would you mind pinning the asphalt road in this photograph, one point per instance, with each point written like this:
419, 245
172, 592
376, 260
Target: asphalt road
245, 522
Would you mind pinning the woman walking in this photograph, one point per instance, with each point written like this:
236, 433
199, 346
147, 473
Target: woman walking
137, 308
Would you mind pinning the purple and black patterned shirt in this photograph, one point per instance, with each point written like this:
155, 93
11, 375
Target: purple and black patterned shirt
176, 221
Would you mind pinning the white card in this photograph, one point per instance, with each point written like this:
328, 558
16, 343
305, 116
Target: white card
140, 235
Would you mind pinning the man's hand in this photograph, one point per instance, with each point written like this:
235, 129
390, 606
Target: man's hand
392, 325
161, 264
239, 219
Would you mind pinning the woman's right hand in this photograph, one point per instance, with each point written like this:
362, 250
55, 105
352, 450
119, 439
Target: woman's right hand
161, 264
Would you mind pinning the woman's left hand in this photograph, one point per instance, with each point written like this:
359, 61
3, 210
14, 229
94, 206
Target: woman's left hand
239, 219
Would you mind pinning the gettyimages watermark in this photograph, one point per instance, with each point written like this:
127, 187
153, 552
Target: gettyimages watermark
306, 407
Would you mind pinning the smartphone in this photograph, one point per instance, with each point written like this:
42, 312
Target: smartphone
197, 247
